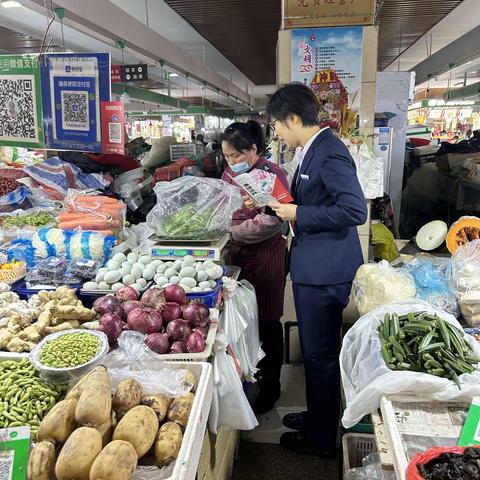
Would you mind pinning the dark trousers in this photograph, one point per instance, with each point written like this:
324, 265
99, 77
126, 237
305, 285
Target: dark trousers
271, 336
319, 314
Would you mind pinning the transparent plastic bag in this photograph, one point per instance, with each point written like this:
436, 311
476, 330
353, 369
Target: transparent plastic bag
91, 246
193, 208
377, 284
431, 276
64, 375
230, 407
466, 268
240, 324
366, 377
369, 171
371, 470
133, 359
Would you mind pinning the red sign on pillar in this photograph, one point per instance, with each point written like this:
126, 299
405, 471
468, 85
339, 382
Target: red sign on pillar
116, 73
113, 127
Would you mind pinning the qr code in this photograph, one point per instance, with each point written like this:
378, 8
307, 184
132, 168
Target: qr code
75, 112
17, 108
6, 465
115, 132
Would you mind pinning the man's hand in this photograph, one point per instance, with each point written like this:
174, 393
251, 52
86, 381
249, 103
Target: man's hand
287, 212
249, 203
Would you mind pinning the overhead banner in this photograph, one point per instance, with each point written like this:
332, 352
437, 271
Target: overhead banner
327, 13
20, 101
73, 85
113, 127
329, 61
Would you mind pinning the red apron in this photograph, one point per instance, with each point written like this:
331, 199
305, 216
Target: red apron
262, 263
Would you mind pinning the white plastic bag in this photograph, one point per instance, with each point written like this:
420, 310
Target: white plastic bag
193, 208
230, 406
366, 377
370, 171
240, 323
377, 284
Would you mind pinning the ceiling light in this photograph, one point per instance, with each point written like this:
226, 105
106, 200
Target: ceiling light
475, 71
173, 75
10, 4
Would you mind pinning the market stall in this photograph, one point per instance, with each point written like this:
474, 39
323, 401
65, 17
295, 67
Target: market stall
410, 365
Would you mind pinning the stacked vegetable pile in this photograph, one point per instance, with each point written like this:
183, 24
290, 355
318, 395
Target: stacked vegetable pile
137, 270
24, 397
23, 323
171, 323
426, 343
97, 437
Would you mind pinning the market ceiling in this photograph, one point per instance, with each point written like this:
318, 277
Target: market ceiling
246, 31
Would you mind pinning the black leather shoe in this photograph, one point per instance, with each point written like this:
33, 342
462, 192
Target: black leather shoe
298, 443
265, 400
295, 421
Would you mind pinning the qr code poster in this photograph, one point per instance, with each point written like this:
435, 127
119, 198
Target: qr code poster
73, 87
113, 127
14, 452
20, 101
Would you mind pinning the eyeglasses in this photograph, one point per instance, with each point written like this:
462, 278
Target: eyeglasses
272, 124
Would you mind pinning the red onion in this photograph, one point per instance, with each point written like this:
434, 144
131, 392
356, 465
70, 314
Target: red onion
178, 347
196, 343
145, 320
111, 324
178, 330
130, 305
127, 293
154, 298
196, 313
175, 293
171, 311
158, 342
203, 331
107, 304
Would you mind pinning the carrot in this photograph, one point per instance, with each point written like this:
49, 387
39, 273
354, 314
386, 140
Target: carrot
95, 199
100, 224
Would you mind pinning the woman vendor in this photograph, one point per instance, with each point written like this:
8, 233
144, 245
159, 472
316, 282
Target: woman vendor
258, 248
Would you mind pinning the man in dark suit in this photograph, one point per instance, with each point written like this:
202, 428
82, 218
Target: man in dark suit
325, 255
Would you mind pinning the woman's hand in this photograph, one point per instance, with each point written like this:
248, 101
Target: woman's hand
287, 211
249, 203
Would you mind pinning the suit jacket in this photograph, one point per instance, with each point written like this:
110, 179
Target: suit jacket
326, 248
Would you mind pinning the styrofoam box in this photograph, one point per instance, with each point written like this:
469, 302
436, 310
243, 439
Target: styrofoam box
186, 464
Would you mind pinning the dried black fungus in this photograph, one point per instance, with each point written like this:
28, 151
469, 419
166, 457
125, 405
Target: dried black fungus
453, 466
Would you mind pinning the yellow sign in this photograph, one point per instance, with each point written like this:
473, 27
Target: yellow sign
327, 13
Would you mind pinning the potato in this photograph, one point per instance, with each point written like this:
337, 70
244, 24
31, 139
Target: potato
117, 461
190, 379
106, 430
167, 443
180, 409
41, 462
139, 426
159, 403
78, 454
76, 391
95, 403
127, 396
59, 423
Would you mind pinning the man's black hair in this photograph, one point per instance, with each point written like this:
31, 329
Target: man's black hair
294, 99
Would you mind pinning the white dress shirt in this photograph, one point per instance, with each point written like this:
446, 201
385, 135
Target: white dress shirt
302, 154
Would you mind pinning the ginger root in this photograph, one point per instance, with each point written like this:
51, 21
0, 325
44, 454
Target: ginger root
17, 323
68, 312
31, 334
5, 337
18, 345
71, 324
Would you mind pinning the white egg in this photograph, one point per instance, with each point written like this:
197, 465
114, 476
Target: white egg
197, 290
177, 265
112, 277
132, 258
188, 261
209, 264
128, 279
136, 271
161, 268
117, 286
213, 283
187, 272
162, 281
202, 276
113, 265
186, 288
200, 267
148, 273
169, 264
219, 271
204, 285
103, 286
145, 259
101, 275
125, 270
212, 273
119, 257
191, 282
156, 263
90, 286
142, 282
170, 272
174, 280
208, 289
136, 286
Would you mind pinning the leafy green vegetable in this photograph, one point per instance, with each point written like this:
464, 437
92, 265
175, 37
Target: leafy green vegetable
40, 219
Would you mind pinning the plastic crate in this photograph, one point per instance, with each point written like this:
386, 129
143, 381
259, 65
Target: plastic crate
25, 293
356, 446
210, 299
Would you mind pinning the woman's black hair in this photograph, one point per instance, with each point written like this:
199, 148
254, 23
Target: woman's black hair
294, 99
242, 136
